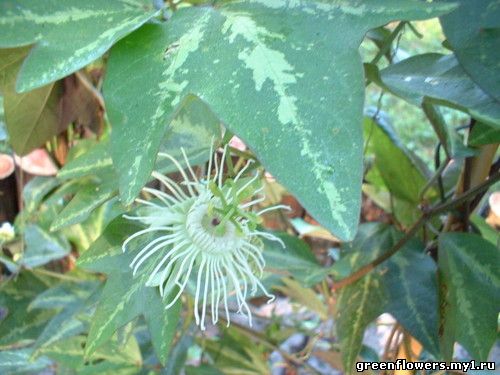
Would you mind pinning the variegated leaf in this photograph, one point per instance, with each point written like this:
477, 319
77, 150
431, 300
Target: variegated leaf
67, 35
83, 203
284, 76
95, 160
410, 280
36, 189
404, 286
73, 299
470, 284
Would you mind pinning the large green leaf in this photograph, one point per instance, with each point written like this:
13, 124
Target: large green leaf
404, 286
473, 30
470, 283
441, 79
67, 35
285, 77
125, 297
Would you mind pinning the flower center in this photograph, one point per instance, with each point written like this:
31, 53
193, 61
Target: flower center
208, 231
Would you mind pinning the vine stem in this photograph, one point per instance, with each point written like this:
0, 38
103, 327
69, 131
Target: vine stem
426, 215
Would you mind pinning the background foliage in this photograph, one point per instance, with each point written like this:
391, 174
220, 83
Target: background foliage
318, 92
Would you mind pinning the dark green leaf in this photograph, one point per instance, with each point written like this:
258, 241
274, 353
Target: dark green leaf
441, 79
473, 31
411, 284
404, 286
470, 283
260, 66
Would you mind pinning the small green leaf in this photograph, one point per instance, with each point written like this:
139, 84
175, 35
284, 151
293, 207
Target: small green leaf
396, 165
483, 135
67, 36
358, 304
35, 191
83, 203
95, 160
42, 247
470, 283
295, 259
18, 361
262, 80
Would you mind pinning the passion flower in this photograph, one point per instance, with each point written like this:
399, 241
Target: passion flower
206, 229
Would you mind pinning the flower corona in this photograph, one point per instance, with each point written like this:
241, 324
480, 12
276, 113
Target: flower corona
205, 229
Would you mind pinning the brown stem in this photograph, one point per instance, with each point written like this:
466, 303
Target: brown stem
426, 216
